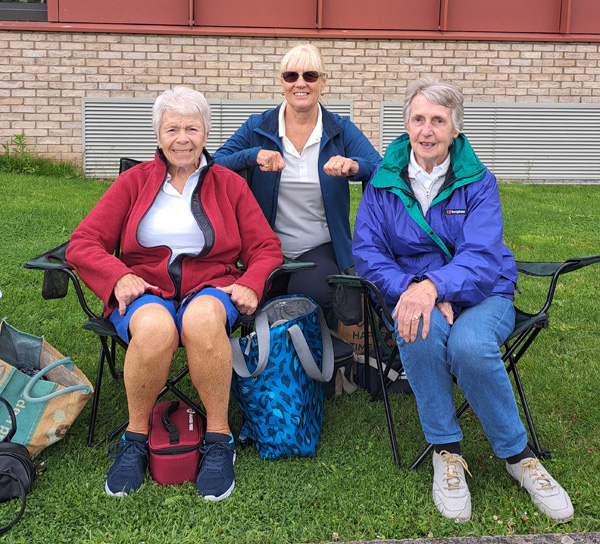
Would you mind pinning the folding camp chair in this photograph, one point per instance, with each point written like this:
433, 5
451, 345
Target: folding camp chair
58, 274
527, 327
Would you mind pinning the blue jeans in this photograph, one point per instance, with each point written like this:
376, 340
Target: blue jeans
469, 350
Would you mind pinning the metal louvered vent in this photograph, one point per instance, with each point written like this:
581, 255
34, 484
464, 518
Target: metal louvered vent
113, 129
122, 127
524, 141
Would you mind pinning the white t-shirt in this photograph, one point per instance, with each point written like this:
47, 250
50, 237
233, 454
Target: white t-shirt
170, 222
301, 224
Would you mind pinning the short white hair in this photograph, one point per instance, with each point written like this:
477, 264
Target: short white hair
184, 101
439, 92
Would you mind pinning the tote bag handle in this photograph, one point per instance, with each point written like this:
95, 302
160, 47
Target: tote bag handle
263, 334
69, 365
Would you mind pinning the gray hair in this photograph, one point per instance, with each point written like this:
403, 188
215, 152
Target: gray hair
184, 101
439, 92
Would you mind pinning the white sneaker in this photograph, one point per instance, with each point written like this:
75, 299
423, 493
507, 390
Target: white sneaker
546, 492
450, 491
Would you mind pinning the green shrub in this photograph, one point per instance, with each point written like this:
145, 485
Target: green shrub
18, 159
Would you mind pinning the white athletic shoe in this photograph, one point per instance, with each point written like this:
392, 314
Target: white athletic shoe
450, 491
546, 492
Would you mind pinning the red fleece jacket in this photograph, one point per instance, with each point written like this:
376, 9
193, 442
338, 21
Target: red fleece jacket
233, 224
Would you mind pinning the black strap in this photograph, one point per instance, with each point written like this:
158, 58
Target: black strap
13, 421
169, 425
10, 525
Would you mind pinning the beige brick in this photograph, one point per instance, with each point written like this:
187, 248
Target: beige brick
508, 54
48, 73
543, 47
522, 46
521, 62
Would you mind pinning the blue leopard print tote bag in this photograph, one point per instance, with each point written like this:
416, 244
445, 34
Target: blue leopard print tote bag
278, 377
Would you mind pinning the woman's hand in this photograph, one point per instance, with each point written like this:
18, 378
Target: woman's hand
129, 288
270, 161
446, 309
243, 298
339, 166
416, 303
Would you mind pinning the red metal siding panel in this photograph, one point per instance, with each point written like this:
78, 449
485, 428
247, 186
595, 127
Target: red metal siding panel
139, 12
382, 14
530, 16
52, 10
256, 13
585, 17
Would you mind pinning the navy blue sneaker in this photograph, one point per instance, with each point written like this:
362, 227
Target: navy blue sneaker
216, 479
128, 471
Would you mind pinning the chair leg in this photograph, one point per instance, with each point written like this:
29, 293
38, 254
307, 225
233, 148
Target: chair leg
388, 412
96, 396
540, 452
512, 359
461, 410
116, 432
421, 457
369, 326
112, 358
107, 354
169, 386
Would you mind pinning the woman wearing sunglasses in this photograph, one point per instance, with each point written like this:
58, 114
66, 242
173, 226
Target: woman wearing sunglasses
298, 159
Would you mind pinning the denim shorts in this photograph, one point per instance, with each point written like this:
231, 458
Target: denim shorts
121, 324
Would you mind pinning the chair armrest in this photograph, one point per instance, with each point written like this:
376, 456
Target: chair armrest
51, 260
57, 274
246, 322
344, 279
553, 270
287, 267
372, 294
533, 268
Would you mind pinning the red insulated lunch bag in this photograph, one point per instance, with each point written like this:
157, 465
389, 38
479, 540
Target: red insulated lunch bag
175, 437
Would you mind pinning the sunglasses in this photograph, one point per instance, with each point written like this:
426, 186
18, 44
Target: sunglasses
309, 77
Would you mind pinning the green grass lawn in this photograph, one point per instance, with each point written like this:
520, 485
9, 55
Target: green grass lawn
351, 490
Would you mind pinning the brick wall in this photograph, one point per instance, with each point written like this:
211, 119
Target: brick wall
44, 75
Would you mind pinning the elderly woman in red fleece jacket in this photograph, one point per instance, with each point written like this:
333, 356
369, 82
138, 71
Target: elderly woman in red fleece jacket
182, 223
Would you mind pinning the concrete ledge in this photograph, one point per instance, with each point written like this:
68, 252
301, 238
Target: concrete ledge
560, 538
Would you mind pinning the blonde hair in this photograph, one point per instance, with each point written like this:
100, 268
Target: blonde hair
184, 101
305, 57
439, 92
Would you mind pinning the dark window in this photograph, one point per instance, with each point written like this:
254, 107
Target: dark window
23, 10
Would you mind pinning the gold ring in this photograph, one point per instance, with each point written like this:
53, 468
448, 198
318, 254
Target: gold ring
338, 164
416, 317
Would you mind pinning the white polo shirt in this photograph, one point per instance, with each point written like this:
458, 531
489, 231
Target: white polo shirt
427, 186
